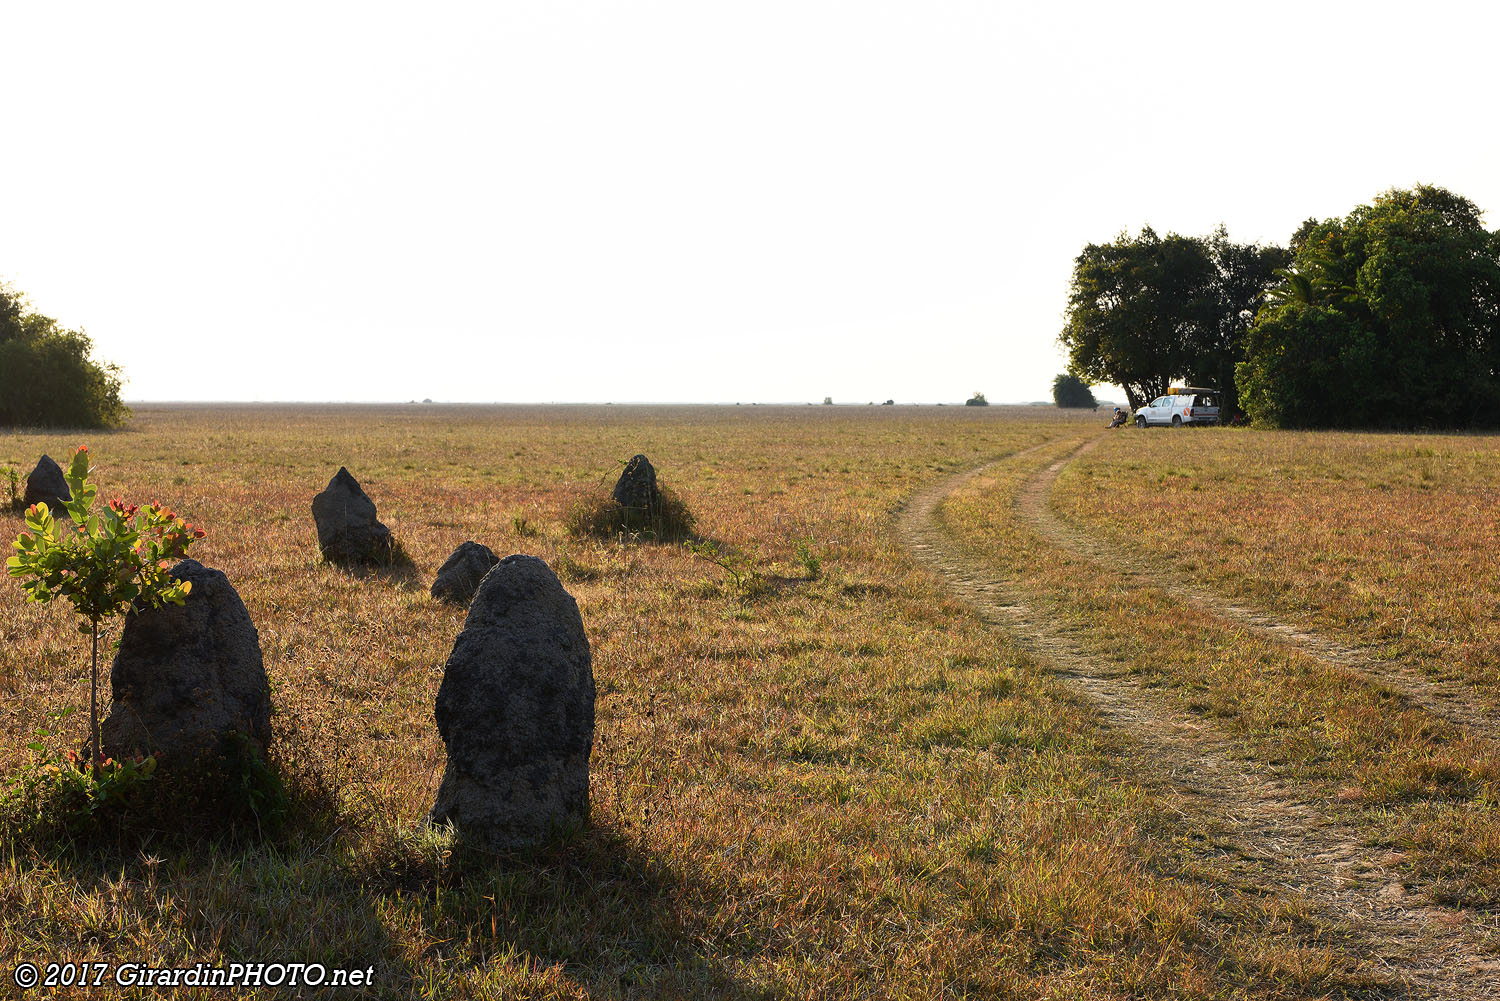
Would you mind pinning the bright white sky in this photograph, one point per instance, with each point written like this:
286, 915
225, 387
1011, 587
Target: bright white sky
678, 201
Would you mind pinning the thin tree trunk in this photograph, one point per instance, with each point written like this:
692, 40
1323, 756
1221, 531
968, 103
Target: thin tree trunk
94, 701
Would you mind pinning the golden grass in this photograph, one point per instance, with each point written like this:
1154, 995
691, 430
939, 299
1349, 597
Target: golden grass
1415, 782
1388, 539
838, 787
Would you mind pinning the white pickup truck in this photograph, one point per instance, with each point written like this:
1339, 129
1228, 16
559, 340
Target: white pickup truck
1182, 405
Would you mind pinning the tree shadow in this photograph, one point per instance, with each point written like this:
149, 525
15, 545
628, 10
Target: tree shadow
60, 432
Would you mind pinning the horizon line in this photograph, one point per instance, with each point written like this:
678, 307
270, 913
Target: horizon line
588, 403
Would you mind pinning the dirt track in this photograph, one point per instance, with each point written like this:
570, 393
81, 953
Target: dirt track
1282, 839
1449, 700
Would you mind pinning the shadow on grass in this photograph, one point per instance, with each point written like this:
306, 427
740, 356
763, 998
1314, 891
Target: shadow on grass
594, 912
176, 903
399, 570
80, 434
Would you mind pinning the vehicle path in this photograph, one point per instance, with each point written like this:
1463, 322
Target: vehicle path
1282, 840
1449, 700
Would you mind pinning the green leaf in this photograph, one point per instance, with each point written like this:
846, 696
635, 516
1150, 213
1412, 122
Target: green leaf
39, 517
79, 467
37, 746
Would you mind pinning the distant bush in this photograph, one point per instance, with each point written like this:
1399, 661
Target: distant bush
605, 518
1070, 391
46, 375
977, 400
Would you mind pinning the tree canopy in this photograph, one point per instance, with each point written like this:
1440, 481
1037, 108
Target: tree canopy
1240, 277
47, 377
1390, 316
1070, 391
1148, 309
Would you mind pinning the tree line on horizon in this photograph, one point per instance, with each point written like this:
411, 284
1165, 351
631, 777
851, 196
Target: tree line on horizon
47, 375
1389, 317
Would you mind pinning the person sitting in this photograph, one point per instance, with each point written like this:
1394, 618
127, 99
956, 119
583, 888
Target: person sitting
1120, 418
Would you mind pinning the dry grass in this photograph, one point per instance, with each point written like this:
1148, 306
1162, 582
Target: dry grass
1418, 784
842, 786
1387, 539
602, 517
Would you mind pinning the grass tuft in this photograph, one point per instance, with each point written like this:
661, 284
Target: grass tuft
603, 517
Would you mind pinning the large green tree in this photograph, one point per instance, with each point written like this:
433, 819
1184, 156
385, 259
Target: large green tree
1070, 391
1388, 317
1240, 278
1128, 305
47, 377
1145, 310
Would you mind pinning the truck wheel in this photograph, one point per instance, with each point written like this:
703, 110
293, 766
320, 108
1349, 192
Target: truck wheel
1140, 421
1177, 420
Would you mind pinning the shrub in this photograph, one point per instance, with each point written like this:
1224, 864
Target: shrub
60, 801
46, 375
605, 518
63, 799
739, 565
812, 565
102, 563
12, 480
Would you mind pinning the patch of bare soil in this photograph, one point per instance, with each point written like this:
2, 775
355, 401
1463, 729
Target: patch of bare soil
1449, 700
1280, 841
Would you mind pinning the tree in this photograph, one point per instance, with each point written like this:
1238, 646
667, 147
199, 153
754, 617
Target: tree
1389, 316
101, 562
1145, 310
1242, 276
1070, 391
46, 375
1130, 307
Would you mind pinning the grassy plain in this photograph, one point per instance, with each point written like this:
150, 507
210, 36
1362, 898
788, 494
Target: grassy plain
841, 784
1389, 540
1373, 539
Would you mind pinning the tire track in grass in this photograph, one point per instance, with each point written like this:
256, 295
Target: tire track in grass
1286, 842
1451, 701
